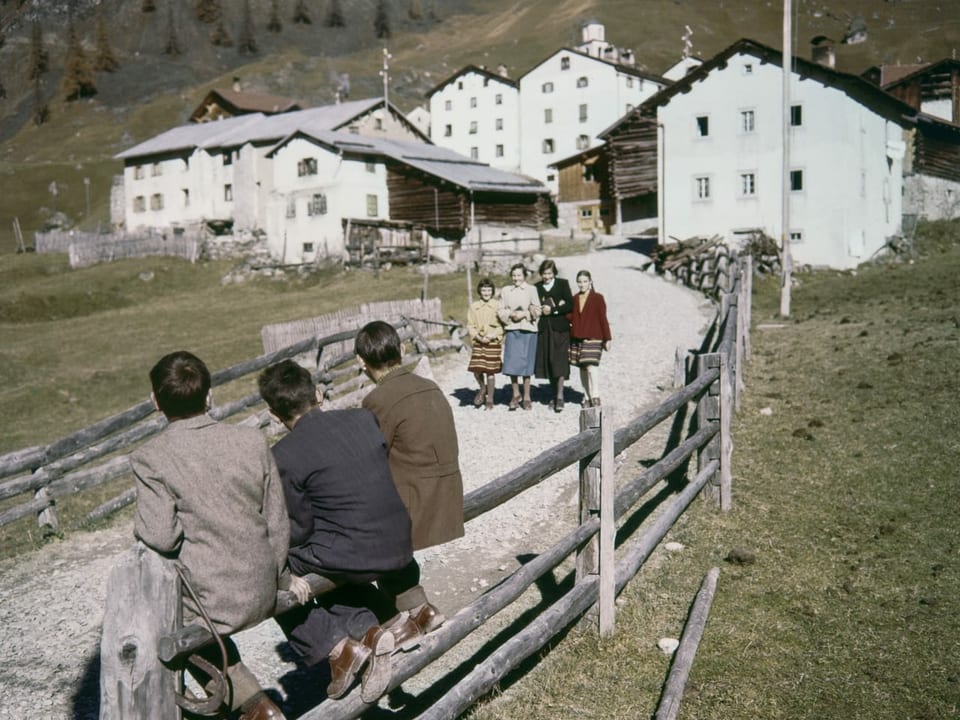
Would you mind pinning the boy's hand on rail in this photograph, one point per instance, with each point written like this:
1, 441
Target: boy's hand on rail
300, 588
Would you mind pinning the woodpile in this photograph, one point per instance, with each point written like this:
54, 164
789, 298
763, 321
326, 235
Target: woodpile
703, 263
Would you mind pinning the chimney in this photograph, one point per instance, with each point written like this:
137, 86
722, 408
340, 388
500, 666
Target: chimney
502, 70
236, 84
821, 51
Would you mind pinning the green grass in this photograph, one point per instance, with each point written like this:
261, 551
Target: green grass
847, 494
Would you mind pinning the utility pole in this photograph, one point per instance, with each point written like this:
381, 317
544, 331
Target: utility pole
786, 261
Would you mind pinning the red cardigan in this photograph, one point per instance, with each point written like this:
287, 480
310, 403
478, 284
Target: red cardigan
591, 322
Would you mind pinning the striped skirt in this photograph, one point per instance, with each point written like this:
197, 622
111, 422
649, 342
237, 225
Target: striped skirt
585, 352
486, 358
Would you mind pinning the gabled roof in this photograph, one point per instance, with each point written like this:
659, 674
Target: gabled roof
626, 69
245, 103
257, 128
854, 86
581, 157
466, 71
433, 160
918, 71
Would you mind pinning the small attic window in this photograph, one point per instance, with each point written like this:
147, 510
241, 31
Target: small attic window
748, 68
565, 63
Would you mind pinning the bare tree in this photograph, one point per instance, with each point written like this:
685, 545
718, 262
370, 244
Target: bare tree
105, 60
77, 72
273, 24
415, 11
246, 43
334, 15
208, 11
172, 45
39, 59
300, 14
381, 20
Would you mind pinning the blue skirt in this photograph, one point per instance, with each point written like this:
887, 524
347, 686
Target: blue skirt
519, 353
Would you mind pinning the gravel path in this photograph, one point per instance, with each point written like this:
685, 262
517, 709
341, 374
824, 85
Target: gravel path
51, 600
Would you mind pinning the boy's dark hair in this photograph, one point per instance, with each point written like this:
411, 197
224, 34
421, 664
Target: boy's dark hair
288, 389
378, 345
486, 282
548, 264
181, 383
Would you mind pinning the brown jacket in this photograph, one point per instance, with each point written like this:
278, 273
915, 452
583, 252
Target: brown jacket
417, 422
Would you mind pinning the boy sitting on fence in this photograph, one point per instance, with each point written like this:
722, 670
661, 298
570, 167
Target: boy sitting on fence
348, 524
209, 495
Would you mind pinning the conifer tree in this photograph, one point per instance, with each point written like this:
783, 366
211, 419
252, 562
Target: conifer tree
300, 14
41, 111
208, 11
148, 6
381, 21
246, 43
415, 11
172, 45
105, 60
273, 24
334, 15
77, 72
220, 37
3, 91
39, 59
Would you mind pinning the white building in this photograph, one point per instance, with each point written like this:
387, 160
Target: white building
476, 113
719, 168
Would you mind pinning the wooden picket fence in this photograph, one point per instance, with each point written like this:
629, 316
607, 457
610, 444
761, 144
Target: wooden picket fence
85, 249
140, 650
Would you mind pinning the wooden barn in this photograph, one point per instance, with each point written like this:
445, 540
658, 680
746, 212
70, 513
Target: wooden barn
631, 150
585, 198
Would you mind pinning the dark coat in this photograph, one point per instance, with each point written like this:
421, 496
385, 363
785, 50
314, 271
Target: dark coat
209, 493
345, 513
417, 422
553, 331
560, 300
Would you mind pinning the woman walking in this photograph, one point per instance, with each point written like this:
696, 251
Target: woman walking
486, 335
590, 336
553, 331
519, 310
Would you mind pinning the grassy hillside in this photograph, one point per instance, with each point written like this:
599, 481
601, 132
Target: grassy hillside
152, 91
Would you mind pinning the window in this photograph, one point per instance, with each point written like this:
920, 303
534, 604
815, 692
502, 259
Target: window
748, 184
548, 115
371, 167
747, 123
317, 205
629, 82
156, 169
139, 204
486, 82
308, 247
473, 127
701, 190
185, 194
447, 130
499, 151
499, 123
629, 107
748, 68
227, 158
703, 126
460, 85
372, 210
448, 105
796, 180
378, 123
138, 172
551, 177
582, 81
291, 208
583, 142
354, 129
548, 87
156, 201
547, 146
474, 153
565, 63
498, 99
228, 192
307, 166
583, 112
796, 115
796, 236
473, 102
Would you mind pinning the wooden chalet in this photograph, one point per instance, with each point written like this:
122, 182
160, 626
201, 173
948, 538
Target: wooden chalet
934, 84
585, 198
936, 148
631, 156
222, 103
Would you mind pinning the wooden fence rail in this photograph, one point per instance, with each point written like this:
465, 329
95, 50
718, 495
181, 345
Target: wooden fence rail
709, 390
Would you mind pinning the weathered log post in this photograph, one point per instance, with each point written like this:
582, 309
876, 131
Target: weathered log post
143, 604
708, 411
588, 559
608, 527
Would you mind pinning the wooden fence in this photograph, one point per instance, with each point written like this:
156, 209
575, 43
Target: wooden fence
712, 386
68, 465
85, 249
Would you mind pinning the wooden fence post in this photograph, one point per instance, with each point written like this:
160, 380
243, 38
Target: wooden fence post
608, 528
588, 560
143, 603
726, 427
708, 410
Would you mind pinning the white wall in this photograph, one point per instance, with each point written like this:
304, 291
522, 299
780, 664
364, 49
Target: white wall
166, 179
477, 98
931, 198
851, 197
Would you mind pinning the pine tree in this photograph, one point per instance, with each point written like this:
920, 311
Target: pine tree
41, 111
274, 24
300, 14
172, 45
381, 21
247, 43
415, 12
77, 73
148, 6
220, 37
334, 15
39, 59
3, 91
208, 11
105, 60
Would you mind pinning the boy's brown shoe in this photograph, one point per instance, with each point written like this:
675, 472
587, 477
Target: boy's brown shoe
376, 677
260, 707
345, 662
